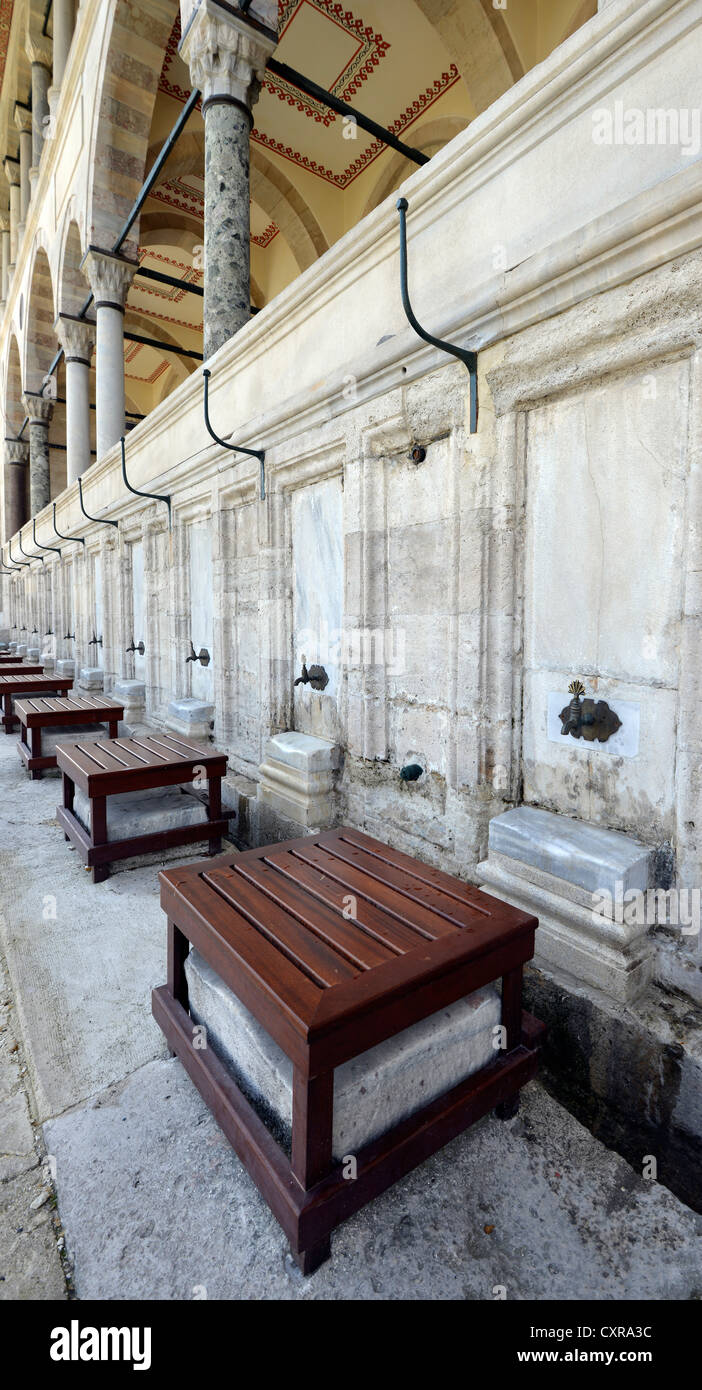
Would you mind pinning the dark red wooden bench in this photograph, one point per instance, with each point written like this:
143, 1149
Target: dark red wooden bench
111, 766
271, 923
26, 682
60, 712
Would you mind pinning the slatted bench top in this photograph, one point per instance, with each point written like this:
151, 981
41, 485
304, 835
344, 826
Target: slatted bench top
44, 712
26, 681
320, 935
115, 765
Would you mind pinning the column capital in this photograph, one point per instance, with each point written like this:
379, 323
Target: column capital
23, 118
12, 172
17, 451
4, 221
38, 408
109, 276
227, 53
38, 48
76, 336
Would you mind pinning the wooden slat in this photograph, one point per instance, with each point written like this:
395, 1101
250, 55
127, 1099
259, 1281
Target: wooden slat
427, 873
306, 950
412, 886
398, 937
232, 944
317, 917
384, 896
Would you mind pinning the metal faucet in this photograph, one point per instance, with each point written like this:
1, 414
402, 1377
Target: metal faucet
202, 656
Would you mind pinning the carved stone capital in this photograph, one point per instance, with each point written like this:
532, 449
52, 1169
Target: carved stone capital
227, 53
4, 221
109, 276
38, 48
23, 118
16, 451
76, 336
38, 408
12, 173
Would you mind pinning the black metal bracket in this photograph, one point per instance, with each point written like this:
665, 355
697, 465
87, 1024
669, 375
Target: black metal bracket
54, 548
18, 563
23, 551
66, 538
152, 496
464, 355
237, 448
102, 520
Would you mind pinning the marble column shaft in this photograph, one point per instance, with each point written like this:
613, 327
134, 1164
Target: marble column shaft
63, 25
17, 455
110, 277
41, 77
13, 179
4, 254
39, 409
23, 121
77, 338
227, 58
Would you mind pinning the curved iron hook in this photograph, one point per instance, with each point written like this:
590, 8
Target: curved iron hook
259, 454
153, 496
23, 551
42, 547
18, 563
60, 534
464, 355
101, 519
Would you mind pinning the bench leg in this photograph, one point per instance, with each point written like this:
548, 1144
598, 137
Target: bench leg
214, 809
114, 726
98, 833
7, 713
177, 952
34, 748
69, 791
512, 1023
312, 1123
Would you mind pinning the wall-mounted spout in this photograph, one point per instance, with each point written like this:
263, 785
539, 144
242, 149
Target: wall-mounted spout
202, 656
316, 676
95, 641
136, 647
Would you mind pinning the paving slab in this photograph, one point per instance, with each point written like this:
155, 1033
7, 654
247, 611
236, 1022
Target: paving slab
155, 1205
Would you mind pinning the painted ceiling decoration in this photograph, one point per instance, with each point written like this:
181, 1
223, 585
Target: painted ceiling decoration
350, 56
187, 194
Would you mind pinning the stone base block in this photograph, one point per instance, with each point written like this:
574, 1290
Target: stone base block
566, 872
297, 778
21, 649
91, 678
33, 654
145, 812
131, 694
191, 718
372, 1092
65, 668
49, 664
71, 733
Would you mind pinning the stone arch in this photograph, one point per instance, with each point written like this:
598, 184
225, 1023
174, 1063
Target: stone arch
479, 42
40, 343
73, 288
120, 137
280, 200
428, 138
13, 408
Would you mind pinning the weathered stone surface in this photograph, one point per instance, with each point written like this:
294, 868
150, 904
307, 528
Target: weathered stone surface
145, 812
587, 856
297, 778
371, 1092
91, 678
65, 668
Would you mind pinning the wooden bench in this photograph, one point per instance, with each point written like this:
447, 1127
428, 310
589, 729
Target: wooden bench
272, 923
113, 766
37, 714
17, 668
27, 682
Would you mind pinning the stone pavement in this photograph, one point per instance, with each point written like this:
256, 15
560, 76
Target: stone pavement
156, 1206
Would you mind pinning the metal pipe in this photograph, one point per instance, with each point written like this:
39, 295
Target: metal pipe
163, 347
42, 547
66, 538
464, 355
101, 519
156, 168
237, 448
153, 496
342, 108
19, 563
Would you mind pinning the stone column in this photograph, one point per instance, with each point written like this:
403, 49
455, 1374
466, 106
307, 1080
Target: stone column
17, 455
23, 121
63, 13
110, 277
12, 174
39, 53
227, 56
4, 254
77, 338
39, 410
